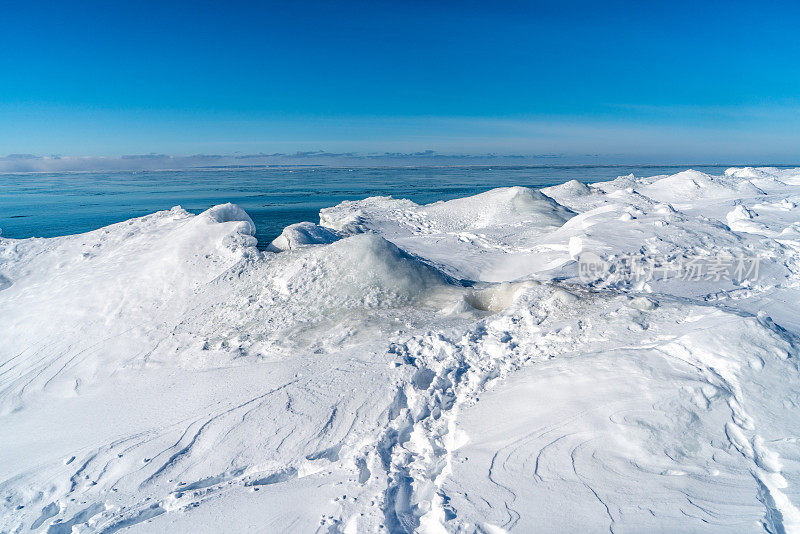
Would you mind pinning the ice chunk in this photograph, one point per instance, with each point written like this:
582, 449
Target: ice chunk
304, 233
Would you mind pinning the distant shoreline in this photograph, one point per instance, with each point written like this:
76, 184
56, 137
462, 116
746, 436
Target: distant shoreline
487, 166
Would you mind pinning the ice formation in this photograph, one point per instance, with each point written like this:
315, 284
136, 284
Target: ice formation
401, 367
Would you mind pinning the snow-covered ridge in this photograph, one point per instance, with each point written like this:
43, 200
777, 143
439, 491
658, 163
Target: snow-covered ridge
405, 367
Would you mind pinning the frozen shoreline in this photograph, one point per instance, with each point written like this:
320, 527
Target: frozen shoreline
406, 367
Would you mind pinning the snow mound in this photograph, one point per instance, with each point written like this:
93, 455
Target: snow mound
355, 217
107, 288
749, 173
518, 204
576, 195
304, 233
502, 206
570, 190
741, 219
464, 237
224, 213
172, 247
622, 183
362, 270
692, 185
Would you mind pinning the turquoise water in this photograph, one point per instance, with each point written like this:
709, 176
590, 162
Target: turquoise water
53, 204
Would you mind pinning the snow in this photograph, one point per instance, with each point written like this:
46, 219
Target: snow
304, 233
403, 367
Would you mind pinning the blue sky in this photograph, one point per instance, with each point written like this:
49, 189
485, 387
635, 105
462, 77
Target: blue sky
636, 81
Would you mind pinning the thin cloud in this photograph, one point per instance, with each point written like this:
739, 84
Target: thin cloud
133, 162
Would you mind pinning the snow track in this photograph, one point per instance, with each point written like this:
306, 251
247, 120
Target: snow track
402, 368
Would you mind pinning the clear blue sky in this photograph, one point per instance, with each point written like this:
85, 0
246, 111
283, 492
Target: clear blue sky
658, 80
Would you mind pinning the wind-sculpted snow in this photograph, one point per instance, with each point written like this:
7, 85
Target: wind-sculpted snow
398, 367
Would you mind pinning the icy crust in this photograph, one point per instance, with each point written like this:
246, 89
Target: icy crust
401, 368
